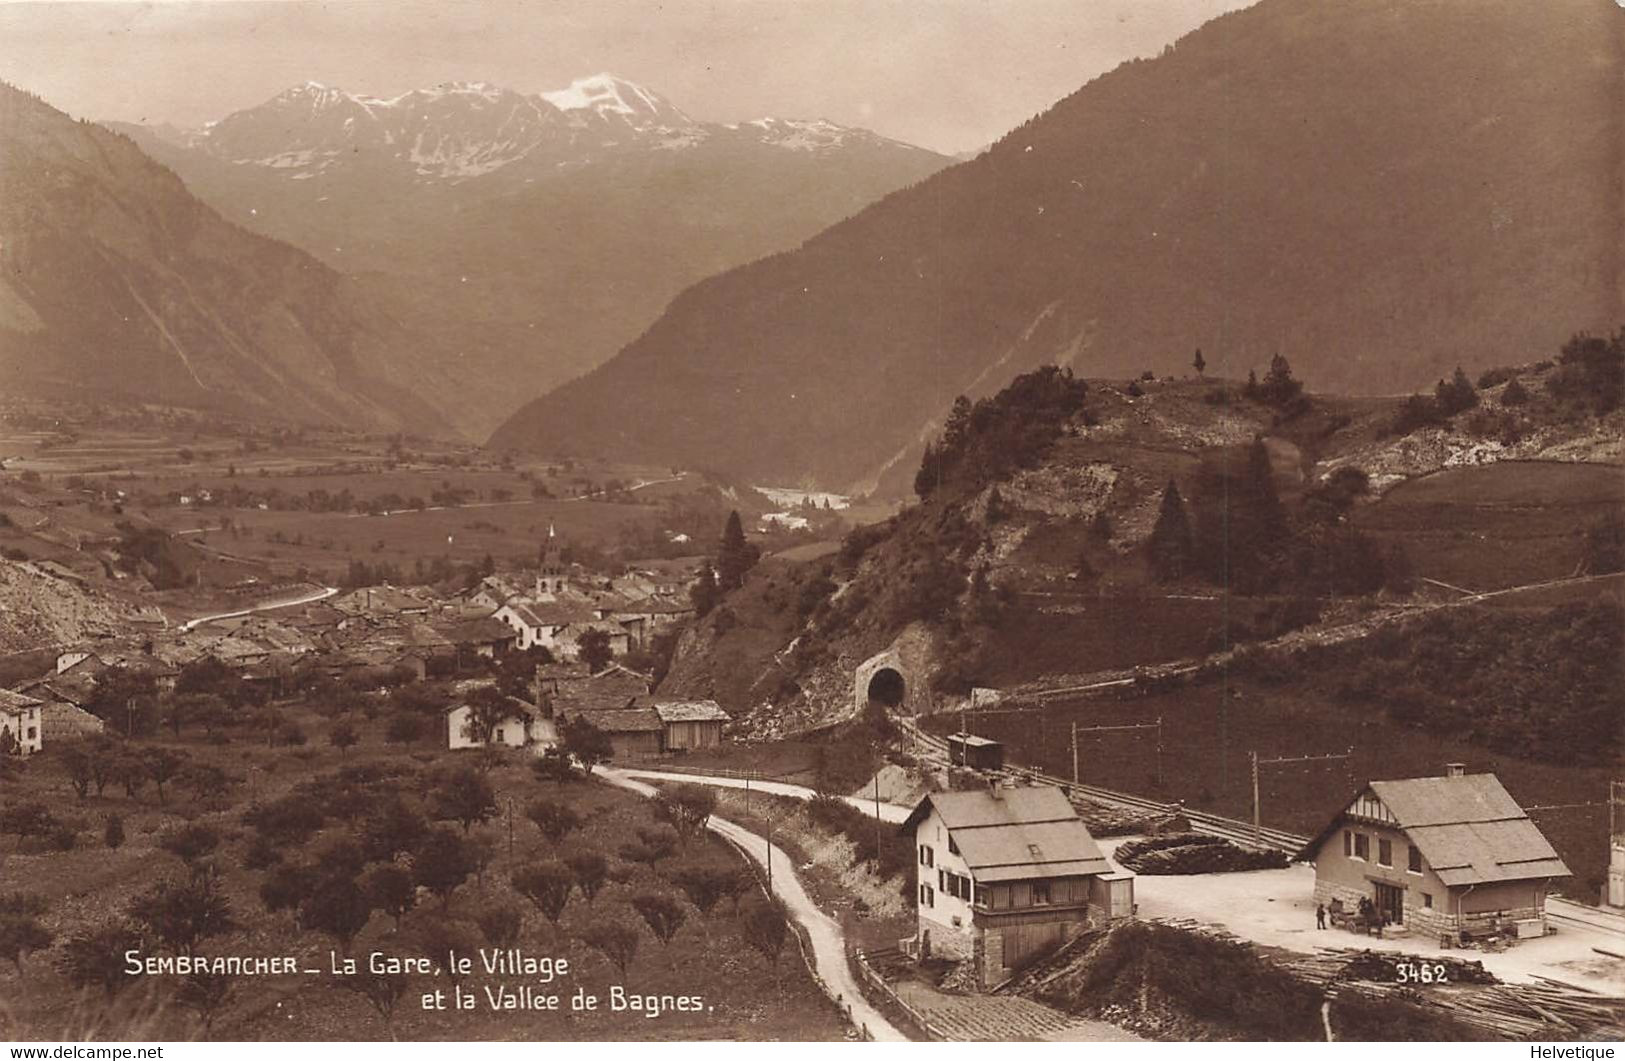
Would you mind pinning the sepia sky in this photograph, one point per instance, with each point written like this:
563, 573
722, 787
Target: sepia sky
946, 74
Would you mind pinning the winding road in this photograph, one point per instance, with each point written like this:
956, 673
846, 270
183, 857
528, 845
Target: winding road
888, 812
823, 932
309, 598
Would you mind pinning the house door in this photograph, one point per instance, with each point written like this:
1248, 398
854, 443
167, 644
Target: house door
1391, 903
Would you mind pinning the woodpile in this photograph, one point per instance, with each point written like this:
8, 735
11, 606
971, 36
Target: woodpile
1189, 853
1348, 963
1548, 1009
1104, 820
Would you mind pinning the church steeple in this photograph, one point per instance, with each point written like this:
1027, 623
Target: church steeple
550, 579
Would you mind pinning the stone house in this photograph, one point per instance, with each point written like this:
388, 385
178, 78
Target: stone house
527, 726
1447, 857
22, 731
1006, 875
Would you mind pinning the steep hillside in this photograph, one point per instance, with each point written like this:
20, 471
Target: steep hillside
1044, 551
40, 608
1378, 188
115, 282
529, 236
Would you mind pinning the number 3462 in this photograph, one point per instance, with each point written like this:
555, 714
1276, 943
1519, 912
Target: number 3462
1421, 973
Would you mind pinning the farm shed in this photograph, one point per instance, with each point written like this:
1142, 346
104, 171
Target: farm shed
691, 724
634, 732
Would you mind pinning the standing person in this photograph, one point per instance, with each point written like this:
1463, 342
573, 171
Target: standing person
1320, 915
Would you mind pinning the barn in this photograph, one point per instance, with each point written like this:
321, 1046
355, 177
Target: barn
691, 725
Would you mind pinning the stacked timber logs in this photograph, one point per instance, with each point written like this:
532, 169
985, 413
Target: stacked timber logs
1187, 853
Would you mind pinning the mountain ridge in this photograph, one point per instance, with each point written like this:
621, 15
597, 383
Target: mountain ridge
1374, 189
526, 241
115, 281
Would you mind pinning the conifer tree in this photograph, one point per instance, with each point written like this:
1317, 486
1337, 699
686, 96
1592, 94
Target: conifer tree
1170, 546
735, 556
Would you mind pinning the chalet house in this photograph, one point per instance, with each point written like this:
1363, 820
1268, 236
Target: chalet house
1450, 856
21, 729
1006, 875
691, 725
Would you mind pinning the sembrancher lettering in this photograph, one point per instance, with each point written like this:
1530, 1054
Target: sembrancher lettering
502, 962
137, 964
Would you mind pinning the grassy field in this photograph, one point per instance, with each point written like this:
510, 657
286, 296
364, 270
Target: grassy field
1210, 730
328, 541
745, 996
1497, 525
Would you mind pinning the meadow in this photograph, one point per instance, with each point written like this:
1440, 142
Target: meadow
1496, 525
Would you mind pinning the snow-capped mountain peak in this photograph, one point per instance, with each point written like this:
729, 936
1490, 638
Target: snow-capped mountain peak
458, 130
604, 95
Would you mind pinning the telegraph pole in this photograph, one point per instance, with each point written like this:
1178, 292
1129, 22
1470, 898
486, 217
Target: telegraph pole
1258, 827
877, 820
1157, 725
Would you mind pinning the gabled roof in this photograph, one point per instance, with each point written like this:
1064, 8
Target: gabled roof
477, 632
10, 701
551, 613
1468, 828
624, 720
1020, 834
691, 711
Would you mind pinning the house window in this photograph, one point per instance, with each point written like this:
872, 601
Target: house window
926, 898
1362, 846
926, 858
1385, 852
1040, 893
942, 881
1427, 901
1348, 843
498, 736
1416, 860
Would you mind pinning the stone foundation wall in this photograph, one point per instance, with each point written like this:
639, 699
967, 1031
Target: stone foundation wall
955, 944
1432, 925
1326, 891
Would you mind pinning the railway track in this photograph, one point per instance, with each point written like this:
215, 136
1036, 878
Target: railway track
934, 749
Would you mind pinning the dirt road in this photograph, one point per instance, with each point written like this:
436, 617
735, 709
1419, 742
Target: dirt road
888, 812
823, 932
309, 598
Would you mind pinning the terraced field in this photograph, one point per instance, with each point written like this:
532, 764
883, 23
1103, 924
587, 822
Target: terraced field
1497, 525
